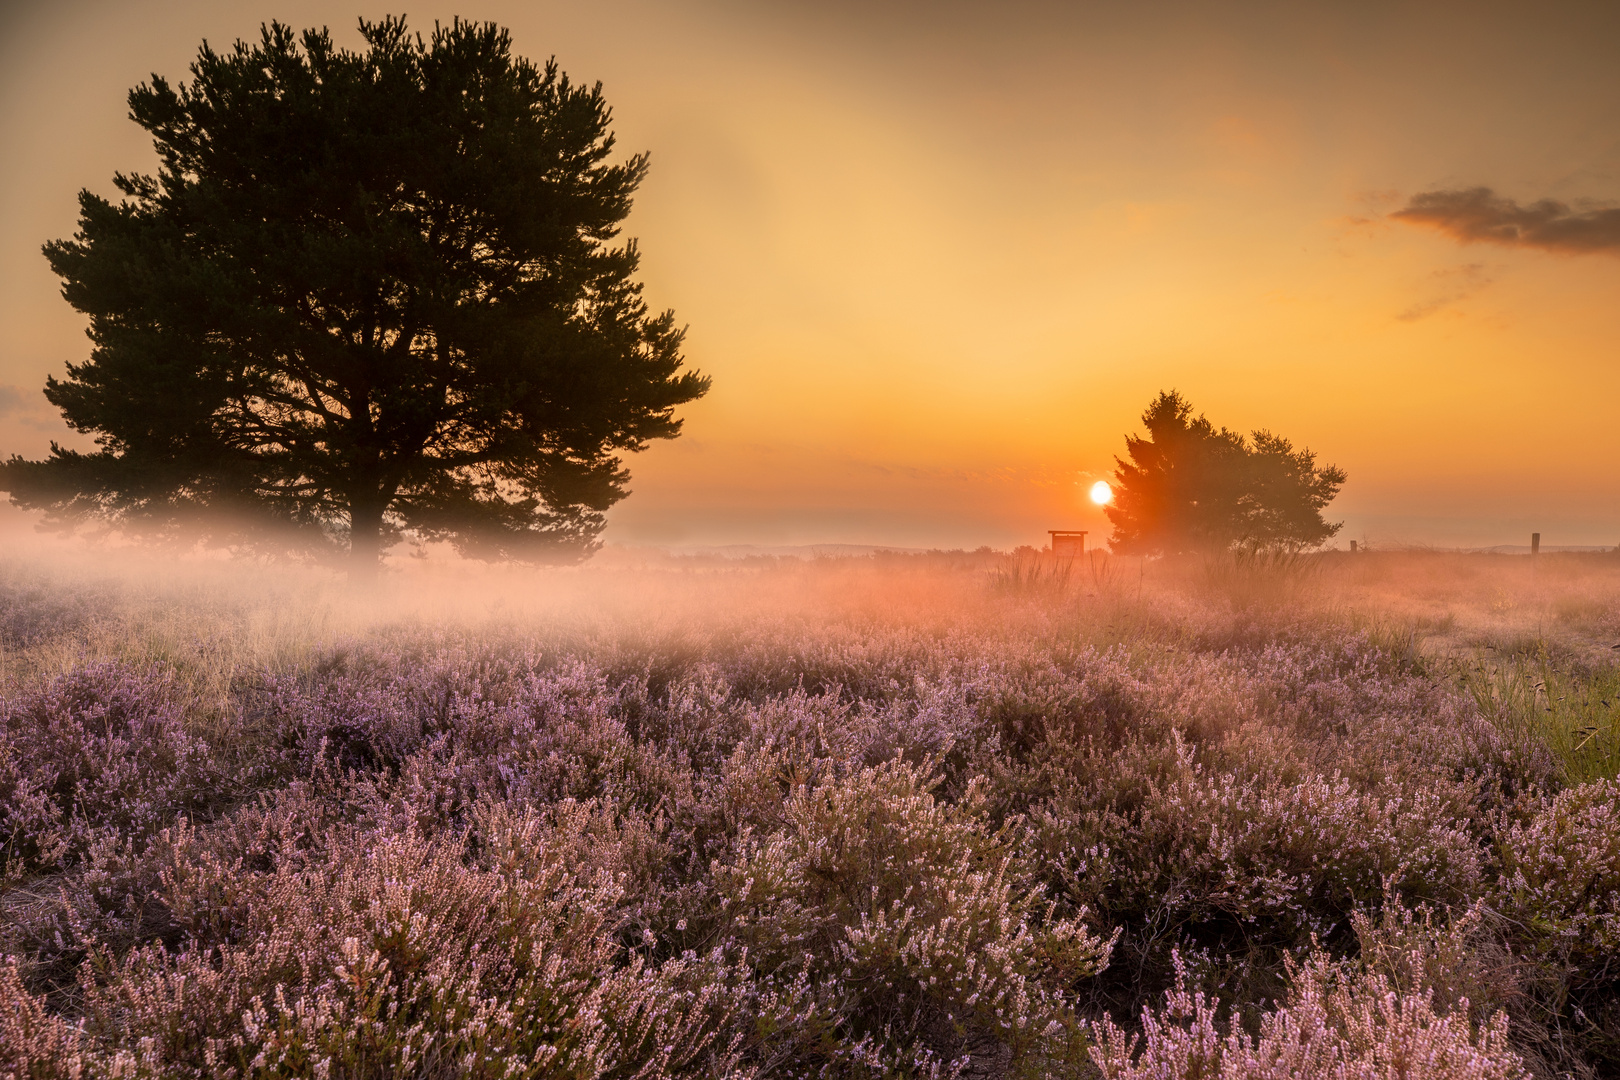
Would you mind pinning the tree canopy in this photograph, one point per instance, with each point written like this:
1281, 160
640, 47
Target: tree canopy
368, 294
1190, 486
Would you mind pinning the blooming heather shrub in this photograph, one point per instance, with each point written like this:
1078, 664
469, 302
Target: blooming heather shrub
863, 662
1462, 960
1559, 891
1034, 699
398, 955
567, 739
34, 1040
352, 723
455, 736
1336, 1024
367, 706
98, 755
1401, 1009
1240, 868
911, 927
32, 612
1298, 854
1561, 874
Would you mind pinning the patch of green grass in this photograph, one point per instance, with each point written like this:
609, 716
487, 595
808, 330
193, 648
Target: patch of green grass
1575, 712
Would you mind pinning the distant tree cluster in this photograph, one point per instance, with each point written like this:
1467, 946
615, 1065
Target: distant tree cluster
368, 294
1192, 487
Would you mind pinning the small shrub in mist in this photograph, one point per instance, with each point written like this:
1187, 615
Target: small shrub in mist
1033, 573
1249, 575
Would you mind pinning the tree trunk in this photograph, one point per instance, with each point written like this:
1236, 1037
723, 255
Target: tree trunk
365, 540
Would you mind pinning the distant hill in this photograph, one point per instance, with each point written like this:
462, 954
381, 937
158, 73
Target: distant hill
1524, 549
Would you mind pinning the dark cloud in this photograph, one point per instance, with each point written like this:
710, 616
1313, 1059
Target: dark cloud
1470, 214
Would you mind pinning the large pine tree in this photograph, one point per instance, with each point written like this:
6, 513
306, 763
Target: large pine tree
367, 293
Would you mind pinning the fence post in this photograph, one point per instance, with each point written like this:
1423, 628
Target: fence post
1352, 547
1535, 543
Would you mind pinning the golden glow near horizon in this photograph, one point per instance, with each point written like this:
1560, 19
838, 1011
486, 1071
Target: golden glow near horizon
1101, 493
939, 257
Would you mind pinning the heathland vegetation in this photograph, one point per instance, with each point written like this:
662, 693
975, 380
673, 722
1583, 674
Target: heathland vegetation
1313, 816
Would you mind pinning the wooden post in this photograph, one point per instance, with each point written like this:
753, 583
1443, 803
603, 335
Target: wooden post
1352, 547
1535, 543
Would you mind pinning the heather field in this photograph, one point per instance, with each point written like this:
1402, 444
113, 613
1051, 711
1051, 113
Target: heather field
931, 815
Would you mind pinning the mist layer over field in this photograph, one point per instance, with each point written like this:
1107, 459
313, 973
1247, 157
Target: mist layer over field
895, 815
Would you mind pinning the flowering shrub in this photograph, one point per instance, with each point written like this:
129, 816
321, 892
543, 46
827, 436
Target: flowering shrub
34, 1040
98, 754
911, 925
1336, 1024
1400, 1009
1561, 873
393, 955
1257, 848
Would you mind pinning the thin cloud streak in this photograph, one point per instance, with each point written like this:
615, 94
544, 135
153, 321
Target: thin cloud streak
1479, 214
1450, 287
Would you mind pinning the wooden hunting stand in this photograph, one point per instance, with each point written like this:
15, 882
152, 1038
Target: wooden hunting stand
1067, 545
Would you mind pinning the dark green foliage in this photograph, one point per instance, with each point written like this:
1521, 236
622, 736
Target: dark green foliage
1189, 487
368, 293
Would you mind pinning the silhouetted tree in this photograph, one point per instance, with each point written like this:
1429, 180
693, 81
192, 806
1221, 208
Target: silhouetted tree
367, 293
1189, 486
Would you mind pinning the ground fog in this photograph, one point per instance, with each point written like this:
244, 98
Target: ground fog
901, 815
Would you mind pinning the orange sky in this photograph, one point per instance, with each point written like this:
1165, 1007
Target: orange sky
938, 257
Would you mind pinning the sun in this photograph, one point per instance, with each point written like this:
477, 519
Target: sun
1101, 493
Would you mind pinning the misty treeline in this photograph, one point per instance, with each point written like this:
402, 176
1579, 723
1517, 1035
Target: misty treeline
861, 818
1192, 487
367, 294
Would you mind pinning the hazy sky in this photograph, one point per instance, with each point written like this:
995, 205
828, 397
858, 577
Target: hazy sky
937, 257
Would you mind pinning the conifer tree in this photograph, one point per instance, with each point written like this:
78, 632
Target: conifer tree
367, 293
1192, 487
